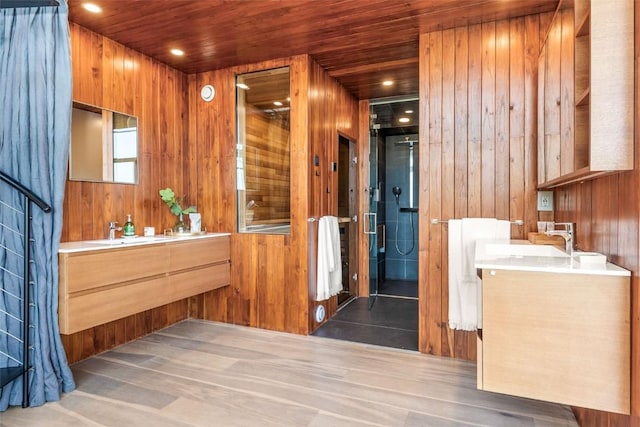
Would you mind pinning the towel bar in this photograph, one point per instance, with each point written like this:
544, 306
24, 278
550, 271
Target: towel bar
446, 221
340, 219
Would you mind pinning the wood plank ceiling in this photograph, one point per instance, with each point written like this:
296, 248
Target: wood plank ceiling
359, 42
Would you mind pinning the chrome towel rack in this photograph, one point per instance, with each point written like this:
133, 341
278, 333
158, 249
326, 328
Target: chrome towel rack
446, 221
340, 219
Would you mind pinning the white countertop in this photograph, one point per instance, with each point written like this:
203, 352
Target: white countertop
522, 255
105, 244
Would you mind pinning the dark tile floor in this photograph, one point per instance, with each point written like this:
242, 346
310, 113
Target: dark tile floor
402, 288
392, 322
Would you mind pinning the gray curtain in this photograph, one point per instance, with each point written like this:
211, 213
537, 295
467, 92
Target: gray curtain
35, 115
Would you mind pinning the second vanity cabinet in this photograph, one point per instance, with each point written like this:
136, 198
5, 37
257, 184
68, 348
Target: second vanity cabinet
557, 337
101, 285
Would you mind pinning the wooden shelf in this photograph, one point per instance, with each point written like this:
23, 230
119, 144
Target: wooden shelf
603, 125
582, 174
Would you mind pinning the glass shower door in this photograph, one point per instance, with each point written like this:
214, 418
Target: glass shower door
371, 223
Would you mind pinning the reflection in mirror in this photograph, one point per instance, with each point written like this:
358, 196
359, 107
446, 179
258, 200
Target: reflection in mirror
263, 151
104, 145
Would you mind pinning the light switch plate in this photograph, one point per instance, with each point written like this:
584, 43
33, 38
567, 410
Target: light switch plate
545, 200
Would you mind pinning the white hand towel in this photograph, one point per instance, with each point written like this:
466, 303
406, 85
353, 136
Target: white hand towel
464, 285
329, 271
455, 273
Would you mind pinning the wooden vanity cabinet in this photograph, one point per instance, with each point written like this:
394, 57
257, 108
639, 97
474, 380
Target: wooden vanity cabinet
99, 286
557, 337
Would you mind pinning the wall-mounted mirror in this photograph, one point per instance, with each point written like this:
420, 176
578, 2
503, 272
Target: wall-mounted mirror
104, 145
263, 152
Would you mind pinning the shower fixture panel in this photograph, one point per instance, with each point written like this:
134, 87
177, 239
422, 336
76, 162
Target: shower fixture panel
396, 192
411, 144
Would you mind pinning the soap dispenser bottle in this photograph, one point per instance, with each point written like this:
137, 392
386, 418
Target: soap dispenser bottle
129, 229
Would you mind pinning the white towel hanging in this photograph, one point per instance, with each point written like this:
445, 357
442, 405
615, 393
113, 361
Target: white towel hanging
465, 291
329, 271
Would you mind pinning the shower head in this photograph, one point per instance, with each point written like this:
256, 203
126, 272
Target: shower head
396, 192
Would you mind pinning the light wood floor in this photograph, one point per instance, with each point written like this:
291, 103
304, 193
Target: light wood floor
199, 373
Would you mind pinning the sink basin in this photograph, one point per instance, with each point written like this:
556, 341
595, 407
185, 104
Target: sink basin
521, 250
520, 255
123, 241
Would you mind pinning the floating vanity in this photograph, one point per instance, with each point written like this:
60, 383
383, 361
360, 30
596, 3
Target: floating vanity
555, 327
105, 280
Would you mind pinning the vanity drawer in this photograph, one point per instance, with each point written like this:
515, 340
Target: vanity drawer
96, 308
100, 286
88, 270
198, 252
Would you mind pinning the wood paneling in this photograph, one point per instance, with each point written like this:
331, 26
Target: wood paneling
359, 46
478, 113
111, 76
270, 273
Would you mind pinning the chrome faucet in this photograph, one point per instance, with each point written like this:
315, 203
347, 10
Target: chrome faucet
567, 234
113, 229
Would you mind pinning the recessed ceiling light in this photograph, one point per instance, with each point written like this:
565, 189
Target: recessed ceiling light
177, 52
277, 103
242, 86
404, 120
408, 112
93, 8
387, 83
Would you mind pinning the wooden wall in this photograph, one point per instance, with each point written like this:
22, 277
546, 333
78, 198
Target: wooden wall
332, 111
111, 76
270, 273
607, 216
478, 114
189, 145
606, 213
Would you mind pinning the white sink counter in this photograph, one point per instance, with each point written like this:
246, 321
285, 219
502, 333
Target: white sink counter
524, 256
105, 244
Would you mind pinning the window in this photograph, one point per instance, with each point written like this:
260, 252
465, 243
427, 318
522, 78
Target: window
263, 151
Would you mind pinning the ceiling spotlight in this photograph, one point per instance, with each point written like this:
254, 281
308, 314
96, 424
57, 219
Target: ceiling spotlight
408, 112
177, 52
277, 103
404, 120
242, 86
93, 8
387, 83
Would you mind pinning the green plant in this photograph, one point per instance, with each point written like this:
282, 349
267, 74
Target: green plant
169, 197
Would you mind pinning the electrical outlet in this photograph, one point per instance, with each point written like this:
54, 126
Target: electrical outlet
545, 200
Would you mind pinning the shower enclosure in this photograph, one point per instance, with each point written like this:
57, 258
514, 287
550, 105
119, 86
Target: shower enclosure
401, 219
393, 207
